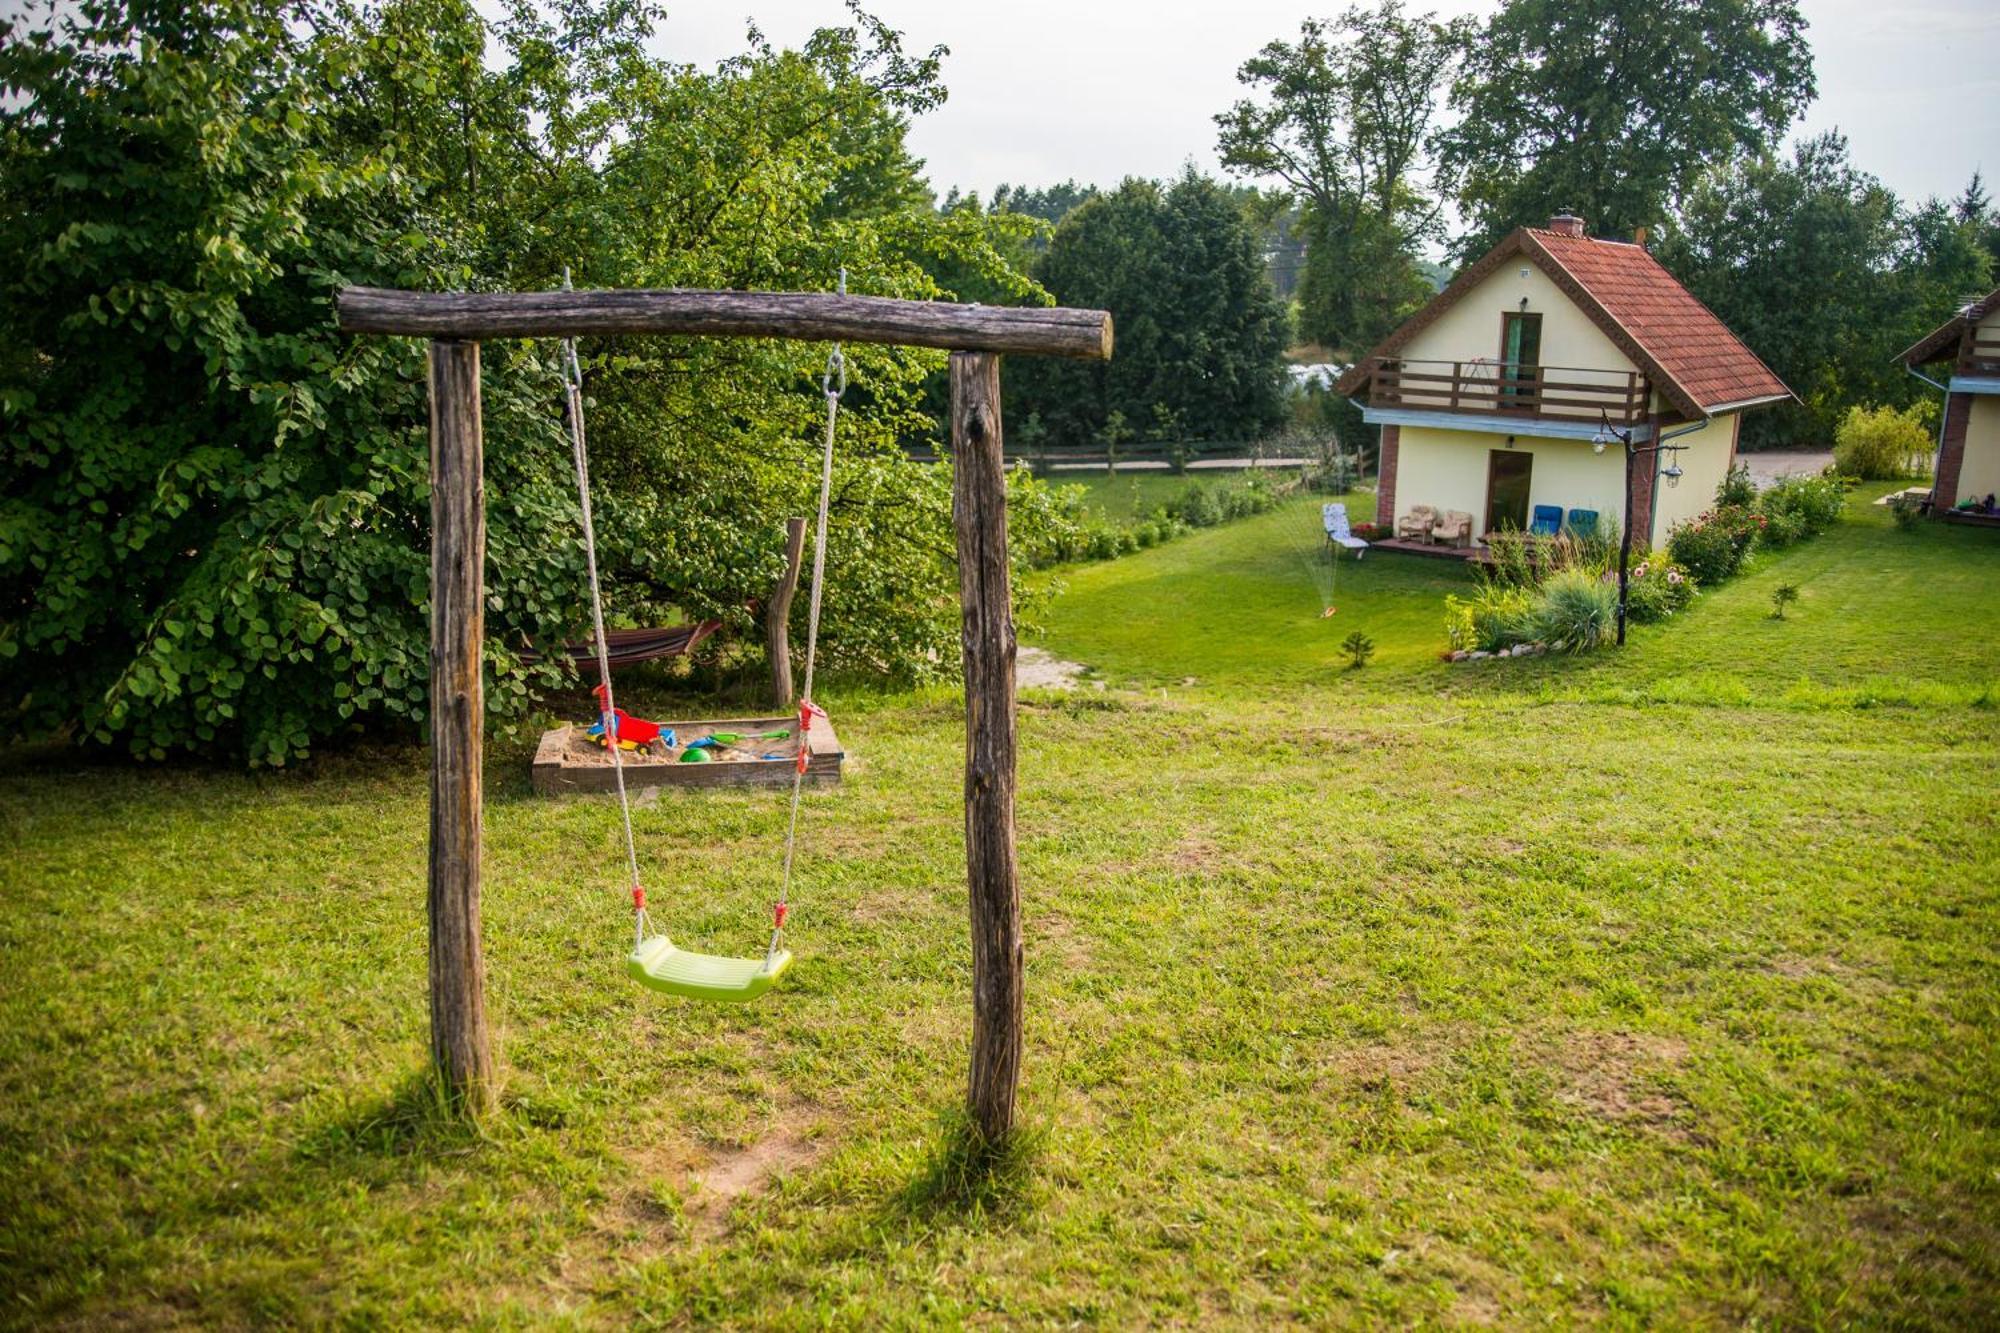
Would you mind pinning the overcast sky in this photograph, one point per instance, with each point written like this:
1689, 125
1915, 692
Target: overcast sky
1096, 90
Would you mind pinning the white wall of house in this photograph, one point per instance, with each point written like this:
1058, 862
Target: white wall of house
1471, 328
1447, 469
1704, 462
1979, 472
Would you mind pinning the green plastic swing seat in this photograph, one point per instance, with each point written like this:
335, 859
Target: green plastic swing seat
657, 965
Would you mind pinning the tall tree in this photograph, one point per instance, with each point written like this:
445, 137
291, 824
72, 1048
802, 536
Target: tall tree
1343, 117
1974, 208
1817, 267
213, 508
1200, 335
1612, 108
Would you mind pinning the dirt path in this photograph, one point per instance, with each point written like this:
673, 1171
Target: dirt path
1039, 669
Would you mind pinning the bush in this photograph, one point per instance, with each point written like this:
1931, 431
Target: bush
1812, 504
1783, 596
1656, 589
1908, 512
1780, 530
1736, 488
1880, 444
1712, 547
1575, 612
1359, 648
1198, 507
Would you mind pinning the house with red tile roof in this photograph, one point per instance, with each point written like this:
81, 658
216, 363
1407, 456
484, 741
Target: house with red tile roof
1968, 458
1502, 399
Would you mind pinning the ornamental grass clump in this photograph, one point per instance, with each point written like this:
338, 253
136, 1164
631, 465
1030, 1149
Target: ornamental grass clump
1575, 612
1497, 616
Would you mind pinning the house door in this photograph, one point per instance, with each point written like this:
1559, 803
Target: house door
1520, 355
1507, 488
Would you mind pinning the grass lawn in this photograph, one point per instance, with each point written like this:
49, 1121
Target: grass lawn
1126, 499
1647, 988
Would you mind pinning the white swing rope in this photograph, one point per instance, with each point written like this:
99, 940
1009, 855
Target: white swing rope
573, 393
833, 383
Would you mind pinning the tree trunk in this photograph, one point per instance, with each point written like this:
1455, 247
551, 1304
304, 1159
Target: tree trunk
461, 1049
778, 615
979, 506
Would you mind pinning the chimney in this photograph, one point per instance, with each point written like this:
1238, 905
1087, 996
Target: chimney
1566, 224
1639, 237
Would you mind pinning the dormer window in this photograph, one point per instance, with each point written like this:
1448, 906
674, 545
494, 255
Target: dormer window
1520, 353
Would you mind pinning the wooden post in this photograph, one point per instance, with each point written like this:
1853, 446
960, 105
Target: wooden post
461, 1049
979, 507
778, 615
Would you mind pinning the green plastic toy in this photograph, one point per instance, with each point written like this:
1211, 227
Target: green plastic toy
696, 756
735, 737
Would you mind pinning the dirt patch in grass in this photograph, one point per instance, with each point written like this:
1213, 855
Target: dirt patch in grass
1615, 1076
1803, 967
746, 1172
1194, 855
1040, 669
1376, 1065
1054, 935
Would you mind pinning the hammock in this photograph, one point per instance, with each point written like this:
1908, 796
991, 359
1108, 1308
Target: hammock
627, 647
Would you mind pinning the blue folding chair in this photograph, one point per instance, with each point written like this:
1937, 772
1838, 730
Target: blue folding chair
1583, 522
1548, 521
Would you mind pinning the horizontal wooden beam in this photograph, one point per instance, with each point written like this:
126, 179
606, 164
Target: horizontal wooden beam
821, 316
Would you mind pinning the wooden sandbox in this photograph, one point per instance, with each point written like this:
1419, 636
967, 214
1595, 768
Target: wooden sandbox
569, 761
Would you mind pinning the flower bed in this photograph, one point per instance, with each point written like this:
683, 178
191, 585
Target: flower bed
1563, 595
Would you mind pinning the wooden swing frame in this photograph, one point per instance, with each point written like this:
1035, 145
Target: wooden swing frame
976, 336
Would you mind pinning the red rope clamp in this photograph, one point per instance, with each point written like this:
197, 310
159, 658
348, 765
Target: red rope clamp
638, 899
808, 710
779, 911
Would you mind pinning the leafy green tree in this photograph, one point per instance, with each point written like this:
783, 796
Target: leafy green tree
213, 514
1343, 118
1611, 108
1764, 239
1200, 335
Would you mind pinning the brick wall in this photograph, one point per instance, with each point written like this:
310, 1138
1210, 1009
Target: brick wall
1645, 474
1951, 451
1385, 480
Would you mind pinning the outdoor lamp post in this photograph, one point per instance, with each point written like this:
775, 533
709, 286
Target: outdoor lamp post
1671, 474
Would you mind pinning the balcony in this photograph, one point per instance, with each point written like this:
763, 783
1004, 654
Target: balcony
1979, 355
1569, 394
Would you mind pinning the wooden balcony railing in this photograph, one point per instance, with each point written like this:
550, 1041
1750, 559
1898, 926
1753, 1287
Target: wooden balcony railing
1980, 355
1494, 388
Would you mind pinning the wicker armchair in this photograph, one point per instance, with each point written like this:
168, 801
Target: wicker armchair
1454, 528
1417, 524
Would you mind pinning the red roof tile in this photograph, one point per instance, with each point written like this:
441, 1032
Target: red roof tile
1691, 348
